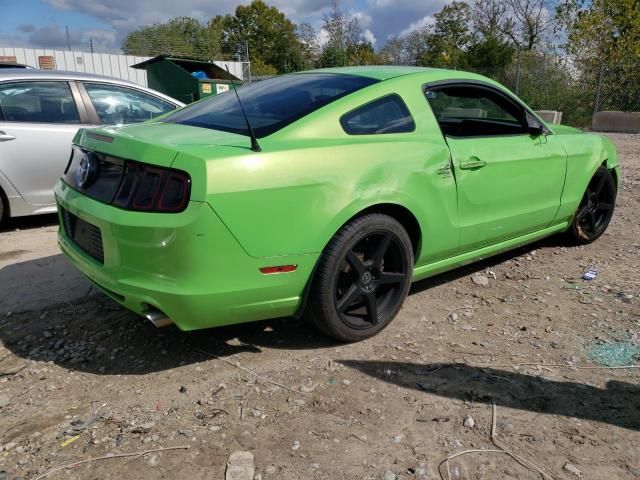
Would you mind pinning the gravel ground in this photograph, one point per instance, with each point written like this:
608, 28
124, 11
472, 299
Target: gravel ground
81, 378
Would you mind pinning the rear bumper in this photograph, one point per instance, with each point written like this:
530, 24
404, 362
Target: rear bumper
187, 265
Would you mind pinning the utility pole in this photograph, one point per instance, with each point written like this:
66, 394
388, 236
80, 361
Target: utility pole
91, 44
68, 39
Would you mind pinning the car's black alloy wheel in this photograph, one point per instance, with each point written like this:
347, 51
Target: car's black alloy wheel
596, 208
362, 279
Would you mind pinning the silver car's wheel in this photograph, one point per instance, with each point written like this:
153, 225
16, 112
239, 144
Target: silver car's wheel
4, 208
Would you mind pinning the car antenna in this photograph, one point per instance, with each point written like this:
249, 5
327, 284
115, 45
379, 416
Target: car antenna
254, 140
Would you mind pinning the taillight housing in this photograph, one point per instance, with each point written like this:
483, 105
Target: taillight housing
148, 188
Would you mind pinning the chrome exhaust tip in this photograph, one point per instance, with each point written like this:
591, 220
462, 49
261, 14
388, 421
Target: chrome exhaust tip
158, 318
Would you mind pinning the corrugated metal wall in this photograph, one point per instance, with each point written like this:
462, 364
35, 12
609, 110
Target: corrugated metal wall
73, 61
108, 64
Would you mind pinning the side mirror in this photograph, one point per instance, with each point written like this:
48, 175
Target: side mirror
536, 130
534, 127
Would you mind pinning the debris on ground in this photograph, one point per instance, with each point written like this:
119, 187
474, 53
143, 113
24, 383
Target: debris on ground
569, 467
469, 422
481, 280
616, 354
240, 466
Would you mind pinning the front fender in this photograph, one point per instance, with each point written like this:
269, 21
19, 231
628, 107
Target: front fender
585, 153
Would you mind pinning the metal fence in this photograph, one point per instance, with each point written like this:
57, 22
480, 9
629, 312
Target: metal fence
577, 89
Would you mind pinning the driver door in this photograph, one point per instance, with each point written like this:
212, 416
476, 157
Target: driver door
509, 180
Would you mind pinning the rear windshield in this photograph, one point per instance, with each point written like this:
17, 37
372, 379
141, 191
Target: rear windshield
270, 104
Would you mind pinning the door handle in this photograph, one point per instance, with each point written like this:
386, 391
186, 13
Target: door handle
5, 137
472, 164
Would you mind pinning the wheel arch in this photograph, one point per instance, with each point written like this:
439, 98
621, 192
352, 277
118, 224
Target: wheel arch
402, 215
398, 212
6, 210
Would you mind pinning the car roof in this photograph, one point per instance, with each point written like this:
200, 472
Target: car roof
386, 72
27, 73
34, 74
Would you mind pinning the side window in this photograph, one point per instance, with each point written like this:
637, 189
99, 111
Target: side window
469, 111
118, 105
37, 102
386, 115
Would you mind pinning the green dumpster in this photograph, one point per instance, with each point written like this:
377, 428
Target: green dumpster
186, 79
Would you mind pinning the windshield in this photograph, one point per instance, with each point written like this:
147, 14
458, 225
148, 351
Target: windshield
270, 104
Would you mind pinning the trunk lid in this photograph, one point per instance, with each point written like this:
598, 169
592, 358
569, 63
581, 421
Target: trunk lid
156, 143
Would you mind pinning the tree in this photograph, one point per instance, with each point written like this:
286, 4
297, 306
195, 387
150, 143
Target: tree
489, 52
344, 40
450, 38
602, 29
309, 44
530, 21
603, 37
181, 36
270, 35
393, 52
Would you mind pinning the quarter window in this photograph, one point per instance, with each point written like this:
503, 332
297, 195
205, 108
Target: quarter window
37, 102
119, 105
385, 115
469, 111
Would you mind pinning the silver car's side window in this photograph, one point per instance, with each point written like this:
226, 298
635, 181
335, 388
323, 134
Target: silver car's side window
119, 105
37, 102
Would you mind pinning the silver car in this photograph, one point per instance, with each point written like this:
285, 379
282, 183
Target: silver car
41, 111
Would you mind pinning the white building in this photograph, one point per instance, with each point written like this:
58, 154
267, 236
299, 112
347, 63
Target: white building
108, 64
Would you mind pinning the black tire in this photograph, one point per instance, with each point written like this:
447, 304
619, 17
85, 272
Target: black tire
362, 279
595, 210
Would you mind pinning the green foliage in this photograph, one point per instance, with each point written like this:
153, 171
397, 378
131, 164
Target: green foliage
182, 36
489, 51
271, 36
603, 37
451, 36
345, 44
602, 29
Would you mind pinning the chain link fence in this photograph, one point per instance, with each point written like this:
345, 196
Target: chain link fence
578, 90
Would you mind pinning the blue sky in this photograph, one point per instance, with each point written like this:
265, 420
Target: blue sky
41, 23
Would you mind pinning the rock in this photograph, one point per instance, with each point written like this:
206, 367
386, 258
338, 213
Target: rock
469, 422
240, 466
388, 475
480, 280
571, 468
271, 469
398, 439
143, 427
296, 445
4, 400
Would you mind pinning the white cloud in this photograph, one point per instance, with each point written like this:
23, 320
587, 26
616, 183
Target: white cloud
369, 37
323, 37
423, 22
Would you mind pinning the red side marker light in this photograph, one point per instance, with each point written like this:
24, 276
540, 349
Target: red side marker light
278, 269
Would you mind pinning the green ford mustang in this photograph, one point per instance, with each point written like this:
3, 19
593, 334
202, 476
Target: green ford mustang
348, 185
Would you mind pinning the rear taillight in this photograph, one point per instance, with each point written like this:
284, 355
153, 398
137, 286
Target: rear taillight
149, 188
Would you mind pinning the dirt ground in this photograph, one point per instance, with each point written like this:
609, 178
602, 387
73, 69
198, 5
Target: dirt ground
82, 378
